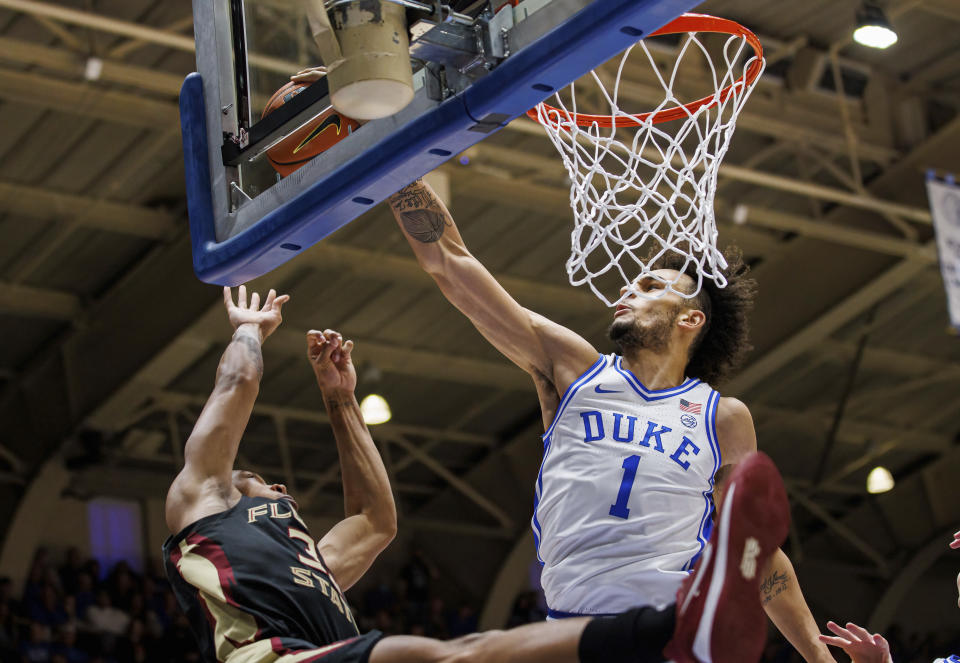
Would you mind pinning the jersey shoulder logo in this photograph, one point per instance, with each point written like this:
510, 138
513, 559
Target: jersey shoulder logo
688, 420
600, 390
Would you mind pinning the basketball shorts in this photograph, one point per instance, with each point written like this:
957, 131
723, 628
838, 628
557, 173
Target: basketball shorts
292, 650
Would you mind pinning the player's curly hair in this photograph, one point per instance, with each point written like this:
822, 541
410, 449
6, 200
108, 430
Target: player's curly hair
723, 343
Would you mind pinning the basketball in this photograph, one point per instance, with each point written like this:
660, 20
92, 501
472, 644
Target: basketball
318, 135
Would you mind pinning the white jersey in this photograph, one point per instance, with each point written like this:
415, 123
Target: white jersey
624, 496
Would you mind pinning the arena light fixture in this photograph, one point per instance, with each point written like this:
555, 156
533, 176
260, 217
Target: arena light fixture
375, 410
873, 28
879, 480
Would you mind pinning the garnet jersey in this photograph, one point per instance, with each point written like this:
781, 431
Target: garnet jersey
252, 574
625, 492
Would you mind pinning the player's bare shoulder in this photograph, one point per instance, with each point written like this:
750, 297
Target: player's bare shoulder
735, 432
569, 353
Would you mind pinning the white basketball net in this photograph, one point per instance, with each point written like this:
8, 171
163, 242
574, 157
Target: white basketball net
641, 192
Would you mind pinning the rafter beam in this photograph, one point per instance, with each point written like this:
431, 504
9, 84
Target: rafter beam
869, 294
37, 203
421, 363
87, 100
459, 484
378, 265
133, 30
840, 529
852, 431
178, 399
58, 59
30, 302
742, 174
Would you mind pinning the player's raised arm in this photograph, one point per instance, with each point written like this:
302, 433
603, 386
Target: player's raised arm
352, 545
204, 485
535, 344
780, 592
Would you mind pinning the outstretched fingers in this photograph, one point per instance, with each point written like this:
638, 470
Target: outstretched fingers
242, 296
955, 544
839, 630
278, 302
228, 297
859, 631
268, 303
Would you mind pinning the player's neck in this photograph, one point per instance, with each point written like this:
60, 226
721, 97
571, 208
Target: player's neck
657, 370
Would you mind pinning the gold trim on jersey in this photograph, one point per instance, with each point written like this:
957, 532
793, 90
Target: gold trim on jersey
231, 625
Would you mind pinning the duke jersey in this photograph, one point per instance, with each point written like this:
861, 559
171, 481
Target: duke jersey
250, 578
625, 491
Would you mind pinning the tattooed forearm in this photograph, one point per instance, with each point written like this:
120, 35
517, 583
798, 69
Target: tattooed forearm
334, 404
412, 196
773, 585
424, 225
252, 348
419, 212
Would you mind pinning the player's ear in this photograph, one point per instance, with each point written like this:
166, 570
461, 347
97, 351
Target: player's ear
692, 319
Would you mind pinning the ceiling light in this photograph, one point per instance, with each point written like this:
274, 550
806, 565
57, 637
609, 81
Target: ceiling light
873, 28
375, 410
879, 480
93, 69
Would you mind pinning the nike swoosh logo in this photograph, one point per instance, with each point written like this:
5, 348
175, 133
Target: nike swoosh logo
601, 390
330, 121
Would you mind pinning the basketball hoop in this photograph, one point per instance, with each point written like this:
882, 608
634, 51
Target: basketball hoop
649, 191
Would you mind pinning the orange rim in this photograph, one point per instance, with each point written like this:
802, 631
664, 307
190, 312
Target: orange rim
681, 24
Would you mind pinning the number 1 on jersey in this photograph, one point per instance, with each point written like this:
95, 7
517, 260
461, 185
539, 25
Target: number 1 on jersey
620, 510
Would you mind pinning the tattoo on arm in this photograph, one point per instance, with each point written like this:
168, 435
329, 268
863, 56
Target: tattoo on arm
424, 225
412, 196
335, 404
418, 213
774, 585
252, 346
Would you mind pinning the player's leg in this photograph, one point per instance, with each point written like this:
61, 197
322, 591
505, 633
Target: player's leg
637, 636
719, 618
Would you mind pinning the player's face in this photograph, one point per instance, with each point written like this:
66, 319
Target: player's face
646, 321
252, 484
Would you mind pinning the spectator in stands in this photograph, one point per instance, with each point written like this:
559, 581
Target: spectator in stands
8, 635
463, 621
70, 571
104, 618
36, 648
85, 596
66, 646
47, 609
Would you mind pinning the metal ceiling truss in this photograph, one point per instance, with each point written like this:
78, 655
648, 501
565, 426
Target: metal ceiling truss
146, 389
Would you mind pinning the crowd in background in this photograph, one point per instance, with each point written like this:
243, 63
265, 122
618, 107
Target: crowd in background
77, 612
72, 610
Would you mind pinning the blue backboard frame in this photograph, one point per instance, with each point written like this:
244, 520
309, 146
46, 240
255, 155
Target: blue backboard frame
322, 197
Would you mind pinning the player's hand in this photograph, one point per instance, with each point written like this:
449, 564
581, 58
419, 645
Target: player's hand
309, 75
329, 356
267, 318
860, 645
955, 544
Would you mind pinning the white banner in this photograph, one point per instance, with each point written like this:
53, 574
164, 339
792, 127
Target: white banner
945, 207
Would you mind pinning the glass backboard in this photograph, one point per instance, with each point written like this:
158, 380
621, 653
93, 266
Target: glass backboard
478, 64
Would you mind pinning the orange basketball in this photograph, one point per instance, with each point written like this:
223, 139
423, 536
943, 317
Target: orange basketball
318, 135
